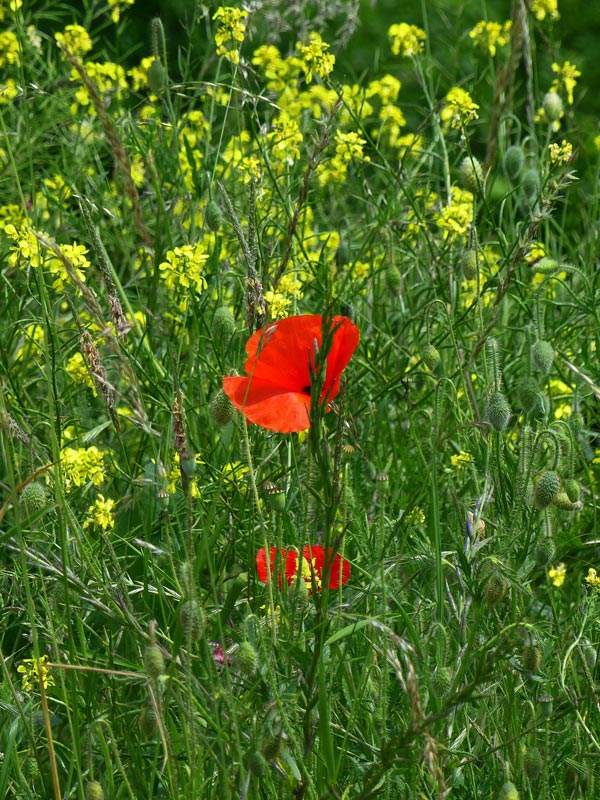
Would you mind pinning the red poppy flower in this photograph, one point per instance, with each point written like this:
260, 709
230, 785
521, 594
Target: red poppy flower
314, 564
276, 393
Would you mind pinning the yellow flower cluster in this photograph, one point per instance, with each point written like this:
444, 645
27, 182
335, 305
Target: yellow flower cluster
79, 372
315, 58
10, 49
454, 219
566, 78
76, 39
592, 579
81, 465
109, 79
406, 40
490, 35
560, 153
36, 674
10, 6
459, 108
348, 147
101, 514
284, 140
183, 268
545, 8
117, 6
230, 32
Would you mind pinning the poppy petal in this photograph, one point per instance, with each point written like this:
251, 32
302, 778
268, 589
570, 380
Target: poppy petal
340, 567
344, 343
269, 406
290, 562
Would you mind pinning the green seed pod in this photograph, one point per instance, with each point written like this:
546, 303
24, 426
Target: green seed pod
542, 354
531, 658
191, 618
393, 279
147, 721
533, 763
382, 480
508, 792
441, 680
498, 411
545, 550
545, 707
33, 498
94, 791
187, 462
31, 769
513, 162
495, 589
546, 488
532, 399
221, 409
572, 489
576, 422
547, 266
246, 659
553, 106
275, 496
223, 325
156, 76
257, 764
468, 264
531, 186
213, 216
471, 174
431, 357
154, 662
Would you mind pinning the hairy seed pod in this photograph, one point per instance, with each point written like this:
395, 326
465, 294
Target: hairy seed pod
431, 357
498, 411
213, 216
513, 162
508, 792
471, 174
33, 498
542, 354
191, 618
221, 409
246, 659
546, 488
94, 791
257, 764
531, 658
154, 662
533, 763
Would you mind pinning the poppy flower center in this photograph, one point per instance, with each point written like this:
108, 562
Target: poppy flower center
305, 390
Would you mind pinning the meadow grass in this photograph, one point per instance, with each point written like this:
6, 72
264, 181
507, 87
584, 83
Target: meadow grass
159, 207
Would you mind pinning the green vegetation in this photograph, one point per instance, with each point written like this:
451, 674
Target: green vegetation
243, 554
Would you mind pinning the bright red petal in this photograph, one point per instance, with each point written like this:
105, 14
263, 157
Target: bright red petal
314, 554
290, 565
345, 341
269, 406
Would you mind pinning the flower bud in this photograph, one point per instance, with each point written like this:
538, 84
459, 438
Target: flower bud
441, 680
156, 76
498, 411
94, 791
531, 186
545, 707
257, 764
191, 618
542, 353
513, 162
431, 357
532, 399
553, 106
545, 550
471, 174
246, 659
546, 488
572, 489
221, 409
271, 746
508, 792
32, 498
393, 279
531, 657
147, 721
495, 589
223, 325
154, 662
213, 216
533, 763
468, 263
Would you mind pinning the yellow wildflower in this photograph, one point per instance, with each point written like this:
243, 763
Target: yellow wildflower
10, 49
406, 40
117, 6
230, 32
490, 35
543, 8
76, 39
101, 514
566, 78
315, 58
80, 465
35, 675
557, 574
459, 108
560, 153
11, 5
